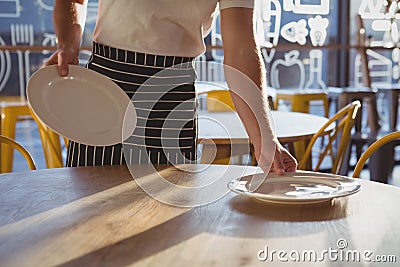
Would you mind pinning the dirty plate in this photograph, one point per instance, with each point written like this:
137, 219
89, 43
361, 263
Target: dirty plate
300, 187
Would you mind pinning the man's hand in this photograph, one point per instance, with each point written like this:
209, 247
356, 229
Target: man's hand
63, 57
283, 161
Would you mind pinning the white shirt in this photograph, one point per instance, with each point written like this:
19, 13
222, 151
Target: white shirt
161, 27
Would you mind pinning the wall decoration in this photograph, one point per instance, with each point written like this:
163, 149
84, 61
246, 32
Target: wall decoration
318, 26
267, 26
295, 32
5, 66
22, 35
10, 9
292, 62
396, 67
49, 39
315, 81
46, 4
296, 6
383, 14
372, 9
380, 69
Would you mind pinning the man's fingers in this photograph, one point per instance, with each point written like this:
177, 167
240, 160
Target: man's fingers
51, 61
291, 166
62, 64
278, 163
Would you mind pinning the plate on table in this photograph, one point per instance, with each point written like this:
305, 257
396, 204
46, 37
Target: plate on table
85, 106
300, 187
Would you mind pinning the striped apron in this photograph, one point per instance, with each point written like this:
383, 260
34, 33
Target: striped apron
162, 91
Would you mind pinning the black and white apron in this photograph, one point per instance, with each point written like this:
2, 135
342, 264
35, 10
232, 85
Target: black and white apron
166, 130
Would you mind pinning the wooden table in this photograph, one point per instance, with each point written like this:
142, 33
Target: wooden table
98, 216
226, 129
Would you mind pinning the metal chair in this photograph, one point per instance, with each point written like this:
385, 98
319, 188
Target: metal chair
51, 144
15, 145
344, 121
301, 99
380, 143
364, 134
221, 101
12, 109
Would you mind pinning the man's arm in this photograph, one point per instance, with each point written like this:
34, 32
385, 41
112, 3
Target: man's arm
244, 71
69, 21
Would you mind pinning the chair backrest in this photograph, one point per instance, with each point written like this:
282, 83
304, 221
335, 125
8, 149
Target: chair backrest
221, 101
371, 149
51, 144
344, 121
21, 149
367, 98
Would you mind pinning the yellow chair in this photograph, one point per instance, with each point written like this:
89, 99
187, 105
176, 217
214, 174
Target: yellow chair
300, 102
51, 144
371, 149
301, 99
344, 121
13, 109
15, 145
221, 101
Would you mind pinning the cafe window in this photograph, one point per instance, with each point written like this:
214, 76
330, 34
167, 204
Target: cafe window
294, 36
380, 34
305, 43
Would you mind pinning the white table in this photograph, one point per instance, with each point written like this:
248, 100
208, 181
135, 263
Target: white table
225, 127
226, 131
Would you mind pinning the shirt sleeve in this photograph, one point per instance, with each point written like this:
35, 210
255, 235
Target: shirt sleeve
235, 3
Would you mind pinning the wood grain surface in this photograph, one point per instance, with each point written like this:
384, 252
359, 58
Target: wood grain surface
98, 216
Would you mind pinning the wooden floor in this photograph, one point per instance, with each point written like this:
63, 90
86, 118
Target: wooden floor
28, 135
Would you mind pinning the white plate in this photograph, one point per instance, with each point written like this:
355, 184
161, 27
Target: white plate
85, 107
300, 187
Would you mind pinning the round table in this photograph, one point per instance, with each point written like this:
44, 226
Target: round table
226, 131
226, 127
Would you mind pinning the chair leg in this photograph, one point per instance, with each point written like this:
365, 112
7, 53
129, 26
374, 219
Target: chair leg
381, 163
9, 118
8, 123
344, 170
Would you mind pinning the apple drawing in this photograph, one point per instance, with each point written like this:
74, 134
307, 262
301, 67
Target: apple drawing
292, 68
